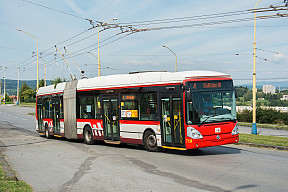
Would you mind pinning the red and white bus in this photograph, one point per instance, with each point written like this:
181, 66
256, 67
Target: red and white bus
175, 110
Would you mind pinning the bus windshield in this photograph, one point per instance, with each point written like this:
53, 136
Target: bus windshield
213, 105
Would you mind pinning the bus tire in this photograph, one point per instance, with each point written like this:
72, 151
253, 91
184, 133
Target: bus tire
150, 141
88, 136
47, 135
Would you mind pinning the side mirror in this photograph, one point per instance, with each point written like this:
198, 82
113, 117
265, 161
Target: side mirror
188, 95
235, 92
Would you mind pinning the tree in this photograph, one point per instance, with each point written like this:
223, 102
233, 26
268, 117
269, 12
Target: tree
241, 90
41, 83
26, 92
56, 81
7, 98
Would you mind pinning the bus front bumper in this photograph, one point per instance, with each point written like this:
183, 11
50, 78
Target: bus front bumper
211, 140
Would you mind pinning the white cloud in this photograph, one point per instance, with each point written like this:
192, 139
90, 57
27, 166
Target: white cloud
74, 7
138, 62
280, 57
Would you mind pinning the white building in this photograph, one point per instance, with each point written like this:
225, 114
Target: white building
285, 97
269, 89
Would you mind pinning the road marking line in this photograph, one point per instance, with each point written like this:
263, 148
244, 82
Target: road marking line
24, 119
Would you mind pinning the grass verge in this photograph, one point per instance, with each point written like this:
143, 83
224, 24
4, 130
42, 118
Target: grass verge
9, 184
263, 140
28, 105
270, 126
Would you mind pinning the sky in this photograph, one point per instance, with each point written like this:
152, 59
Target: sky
205, 35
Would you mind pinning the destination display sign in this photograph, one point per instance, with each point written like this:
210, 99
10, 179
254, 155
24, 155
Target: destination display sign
211, 85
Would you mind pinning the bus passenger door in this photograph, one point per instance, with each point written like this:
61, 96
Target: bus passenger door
56, 115
171, 121
40, 116
111, 119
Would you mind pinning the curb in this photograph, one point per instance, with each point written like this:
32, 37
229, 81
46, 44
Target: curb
265, 146
7, 169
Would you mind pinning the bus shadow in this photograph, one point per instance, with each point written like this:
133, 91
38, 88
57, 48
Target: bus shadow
216, 150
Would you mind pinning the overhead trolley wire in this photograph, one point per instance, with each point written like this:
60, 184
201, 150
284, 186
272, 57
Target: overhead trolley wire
59, 11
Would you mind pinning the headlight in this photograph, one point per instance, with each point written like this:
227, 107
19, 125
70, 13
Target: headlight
235, 131
194, 133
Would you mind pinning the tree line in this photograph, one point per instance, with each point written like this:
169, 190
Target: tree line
28, 95
269, 116
245, 96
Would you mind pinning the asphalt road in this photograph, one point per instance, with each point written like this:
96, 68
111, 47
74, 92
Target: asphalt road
61, 165
264, 131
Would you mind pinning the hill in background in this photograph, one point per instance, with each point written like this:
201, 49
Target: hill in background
11, 85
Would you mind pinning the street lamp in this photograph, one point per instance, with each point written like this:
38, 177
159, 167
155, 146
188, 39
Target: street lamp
174, 54
37, 56
103, 24
254, 126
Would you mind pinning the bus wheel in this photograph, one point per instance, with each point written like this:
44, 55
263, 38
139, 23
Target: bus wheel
88, 136
47, 135
150, 141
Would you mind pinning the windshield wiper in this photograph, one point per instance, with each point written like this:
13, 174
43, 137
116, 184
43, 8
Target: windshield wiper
201, 123
227, 118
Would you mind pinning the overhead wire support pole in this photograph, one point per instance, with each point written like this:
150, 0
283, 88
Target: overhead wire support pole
71, 74
18, 87
254, 126
5, 85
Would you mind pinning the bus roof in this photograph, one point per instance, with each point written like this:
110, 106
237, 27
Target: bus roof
133, 80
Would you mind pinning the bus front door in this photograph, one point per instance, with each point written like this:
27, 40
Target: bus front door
56, 115
40, 116
111, 119
172, 122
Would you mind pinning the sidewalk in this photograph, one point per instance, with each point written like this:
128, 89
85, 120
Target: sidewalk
264, 131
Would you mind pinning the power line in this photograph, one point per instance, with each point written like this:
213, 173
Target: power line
59, 11
14, 48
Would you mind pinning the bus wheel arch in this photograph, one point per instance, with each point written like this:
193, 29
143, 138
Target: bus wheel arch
150, 140
88, 135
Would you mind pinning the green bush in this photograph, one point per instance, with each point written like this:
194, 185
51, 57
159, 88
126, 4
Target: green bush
30, 100
269, 116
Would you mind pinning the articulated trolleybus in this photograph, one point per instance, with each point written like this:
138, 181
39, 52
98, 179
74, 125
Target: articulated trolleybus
180, 110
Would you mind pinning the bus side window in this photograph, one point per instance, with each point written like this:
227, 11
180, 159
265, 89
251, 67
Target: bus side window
97, 107
129, 107
148, 106
87, 108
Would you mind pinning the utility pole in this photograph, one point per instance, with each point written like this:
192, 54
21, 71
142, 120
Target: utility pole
254, 126
5, 85
18, 87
